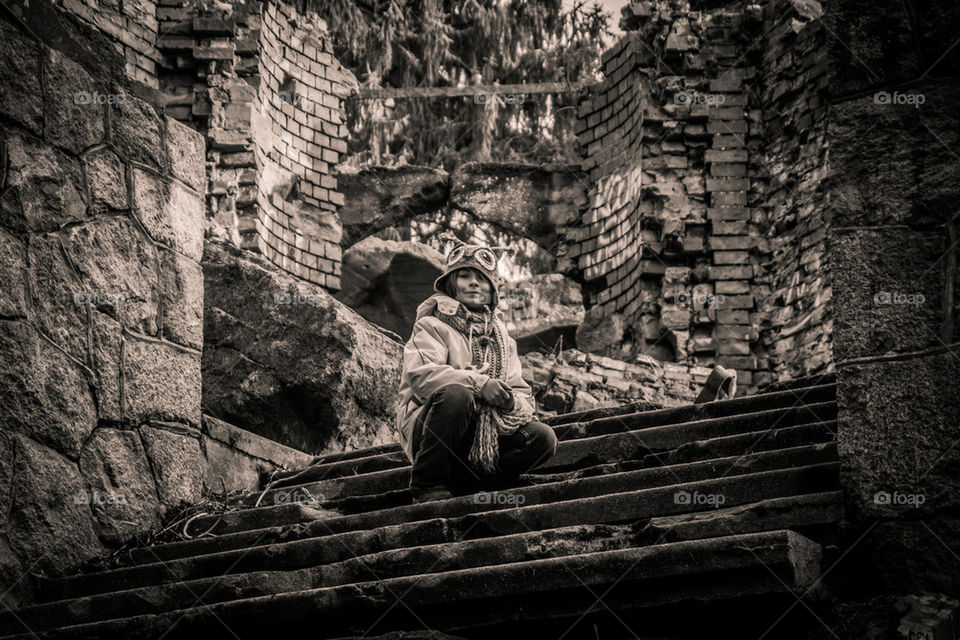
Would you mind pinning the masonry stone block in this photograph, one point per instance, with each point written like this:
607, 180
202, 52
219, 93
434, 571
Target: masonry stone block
58, 296
118, 269
123, 496
186, 149
47, 186
74, 105
13, 273
50, 510
106, 346
898, 422
181, 294
20, 58
170, 213
47, 394
177, 461
161, 382
136, 132
887, 291
106, 179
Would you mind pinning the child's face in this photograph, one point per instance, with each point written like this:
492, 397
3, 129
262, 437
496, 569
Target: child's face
473, 288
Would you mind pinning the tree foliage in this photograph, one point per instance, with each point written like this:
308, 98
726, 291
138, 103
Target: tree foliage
453, 43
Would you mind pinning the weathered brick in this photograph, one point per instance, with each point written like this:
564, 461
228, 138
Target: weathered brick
731, 257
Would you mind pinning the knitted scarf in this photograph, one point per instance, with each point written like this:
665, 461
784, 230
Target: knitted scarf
488, 355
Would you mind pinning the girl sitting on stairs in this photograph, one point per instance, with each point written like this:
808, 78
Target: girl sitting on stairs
464, 413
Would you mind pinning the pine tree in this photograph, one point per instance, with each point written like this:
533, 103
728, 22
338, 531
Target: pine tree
436, 43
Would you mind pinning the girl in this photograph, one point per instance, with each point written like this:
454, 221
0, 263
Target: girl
464, 413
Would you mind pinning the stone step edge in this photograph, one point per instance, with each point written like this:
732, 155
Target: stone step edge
538, 514
727, 553
597, 480
584, 416
398, 459
811, 506
401, 474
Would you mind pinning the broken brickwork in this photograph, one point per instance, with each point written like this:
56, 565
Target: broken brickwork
260, 80
131, 25
704, 230
301, 101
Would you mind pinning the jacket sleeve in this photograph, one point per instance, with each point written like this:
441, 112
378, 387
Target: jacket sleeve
522, 393
425, 364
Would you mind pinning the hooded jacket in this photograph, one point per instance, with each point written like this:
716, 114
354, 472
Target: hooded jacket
437, 355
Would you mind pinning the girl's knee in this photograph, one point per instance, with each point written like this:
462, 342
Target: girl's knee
544, 437
456, 394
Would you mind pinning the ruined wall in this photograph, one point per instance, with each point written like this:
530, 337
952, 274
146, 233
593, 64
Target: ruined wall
208, 76
299, 138
605, 242
130, 25
101, 310
793, 309
259, 79
686, 248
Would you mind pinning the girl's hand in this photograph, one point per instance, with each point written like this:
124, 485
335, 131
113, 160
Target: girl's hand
496, 393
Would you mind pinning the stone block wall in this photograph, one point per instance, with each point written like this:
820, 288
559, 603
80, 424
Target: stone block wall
101, 223
893, 202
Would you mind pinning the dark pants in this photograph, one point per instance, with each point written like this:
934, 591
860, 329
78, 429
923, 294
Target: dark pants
442, 437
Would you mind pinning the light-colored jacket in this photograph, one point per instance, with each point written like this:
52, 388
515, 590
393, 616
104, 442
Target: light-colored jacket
436, 355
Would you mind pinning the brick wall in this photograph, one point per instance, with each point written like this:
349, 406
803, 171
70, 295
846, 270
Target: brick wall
794, 316
131, 25
260, 80
300, 139
605, 243
703, 229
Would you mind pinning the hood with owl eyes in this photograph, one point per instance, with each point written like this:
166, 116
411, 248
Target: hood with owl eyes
478, 257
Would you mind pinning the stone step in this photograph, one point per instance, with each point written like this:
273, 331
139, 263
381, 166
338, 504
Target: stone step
341, 492
751, 442
779, 438
788, 396
778, 561
231, 521
381, 456
793, 384
588, 443
450, 554
536, 494
586, 501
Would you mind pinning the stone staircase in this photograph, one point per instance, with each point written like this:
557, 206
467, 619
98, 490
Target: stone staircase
663, 523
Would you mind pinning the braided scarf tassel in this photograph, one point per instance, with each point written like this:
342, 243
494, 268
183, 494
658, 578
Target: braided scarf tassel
492, 422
